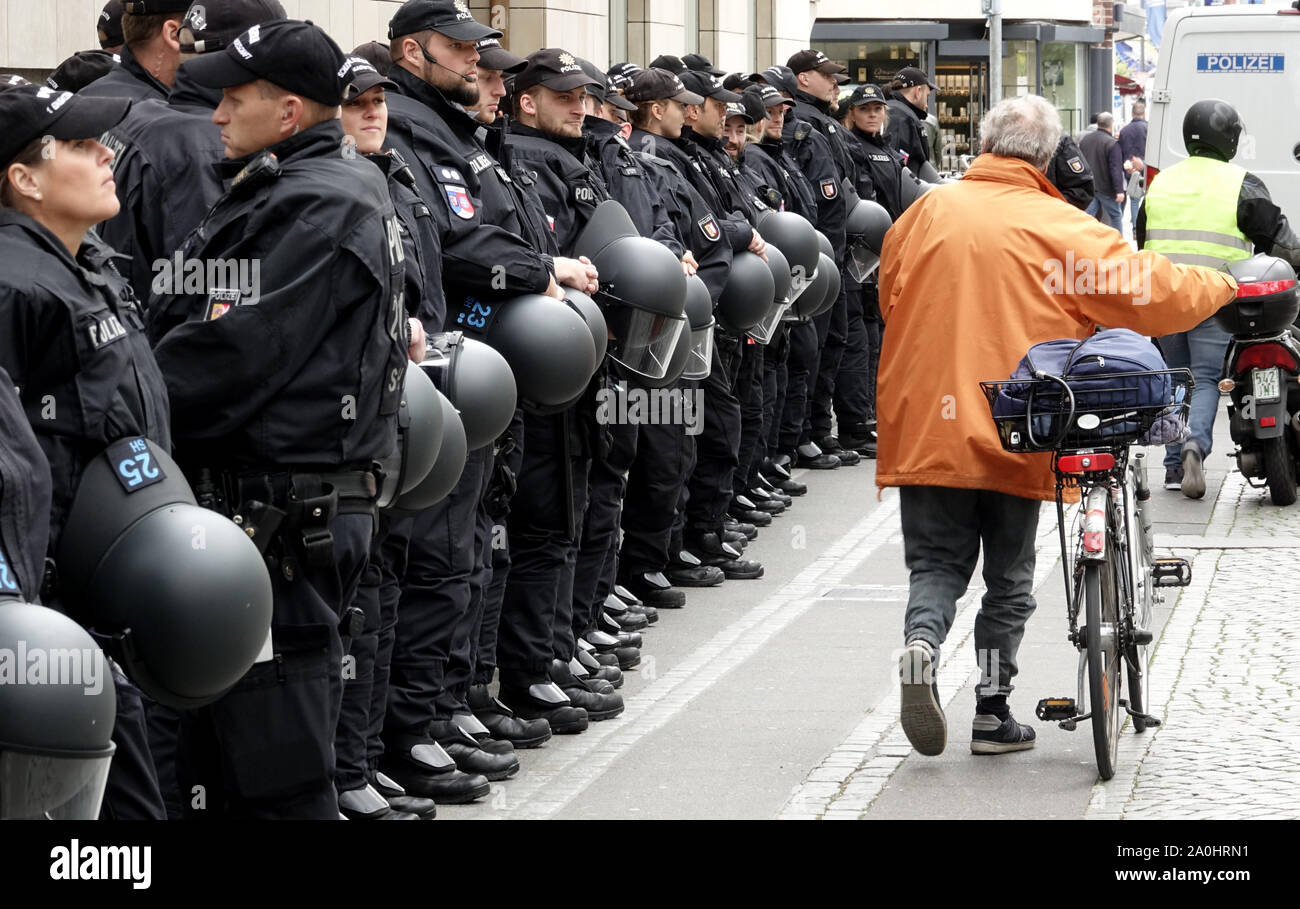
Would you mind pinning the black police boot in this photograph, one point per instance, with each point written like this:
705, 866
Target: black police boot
598, 706
748, 531
621, 638
777, 468
546, 701
710, 550
735, 538
398, 800
471, 726
627, 596
813, 457
501, 722
627, 620
469, 756
423, 768
366, 804
653, 589
599, 686
688, 571
761, 493
625, 647
748, 515
861, 437
831, 445
786, 485
775, 491
760, 503
594, 668
616, 606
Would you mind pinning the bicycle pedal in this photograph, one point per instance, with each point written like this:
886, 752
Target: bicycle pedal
1050, 709
1171, 572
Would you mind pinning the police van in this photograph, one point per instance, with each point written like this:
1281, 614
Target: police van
1248, 56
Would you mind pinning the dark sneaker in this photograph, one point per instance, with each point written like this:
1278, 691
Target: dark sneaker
1173, 479
990, 735
920, 712
1193, 485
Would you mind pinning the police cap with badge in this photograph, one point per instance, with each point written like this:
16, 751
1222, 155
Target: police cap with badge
295, 56
212, 26
808, 60
866, 94
447, 17
555, 69
709, 86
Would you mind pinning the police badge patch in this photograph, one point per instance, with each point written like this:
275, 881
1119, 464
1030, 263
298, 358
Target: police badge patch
830, 189
710, 227
460, 202
1076, 165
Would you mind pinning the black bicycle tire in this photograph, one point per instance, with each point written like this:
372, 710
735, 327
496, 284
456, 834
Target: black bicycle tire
1103, 698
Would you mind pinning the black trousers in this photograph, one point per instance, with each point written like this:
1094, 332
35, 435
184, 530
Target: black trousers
509, 463
132, 792
801, 367
775, 381
655, 483
853, 402
717, 448
266, 749
395, 536
463, 655
351, 764
832, 337
749, 394
598, 547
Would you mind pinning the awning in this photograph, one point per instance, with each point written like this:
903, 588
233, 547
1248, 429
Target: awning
867, 30
1126, 86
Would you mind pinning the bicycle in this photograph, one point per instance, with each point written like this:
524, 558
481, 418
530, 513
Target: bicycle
1111, 574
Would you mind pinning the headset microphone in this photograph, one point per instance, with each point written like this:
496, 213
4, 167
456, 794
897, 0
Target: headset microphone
428, 56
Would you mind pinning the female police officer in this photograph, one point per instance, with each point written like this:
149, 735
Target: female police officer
71, 337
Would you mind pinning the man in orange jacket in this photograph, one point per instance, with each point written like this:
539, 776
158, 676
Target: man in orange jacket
973, 274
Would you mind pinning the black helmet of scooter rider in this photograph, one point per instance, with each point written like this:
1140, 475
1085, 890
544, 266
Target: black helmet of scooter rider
781, 278
747, 296
419, 434
476, 380
864, 232
642, 292
797, 239
1211, 129
548, 346
180, 594
55, 730
447, 465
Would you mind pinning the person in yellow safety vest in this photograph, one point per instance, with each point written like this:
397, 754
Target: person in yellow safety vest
1207, 211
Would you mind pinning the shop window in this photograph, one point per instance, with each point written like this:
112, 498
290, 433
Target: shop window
874, 61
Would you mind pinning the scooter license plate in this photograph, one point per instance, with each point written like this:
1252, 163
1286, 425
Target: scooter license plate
1267, 386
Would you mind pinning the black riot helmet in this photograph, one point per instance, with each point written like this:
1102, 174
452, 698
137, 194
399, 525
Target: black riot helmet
447, 465
1211, 129
699, 313
797, 239
824, 246
827, 268
595, 319
910, 189
56, 720
865, 235
419, 434
780, 269
642, 292
810, 301
548, 346
747, 295
180, 593
478, 382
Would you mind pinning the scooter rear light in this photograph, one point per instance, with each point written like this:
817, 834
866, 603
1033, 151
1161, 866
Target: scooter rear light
1268, 421
1085, 463
1264, 288
1263, 356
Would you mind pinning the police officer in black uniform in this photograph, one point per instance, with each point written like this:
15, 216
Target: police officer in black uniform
150, 55
109, 26
26, 491
288, 437
909, 94
72, 341
1069, 172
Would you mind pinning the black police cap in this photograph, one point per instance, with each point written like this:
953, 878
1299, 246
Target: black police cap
11, 80
359, 77
807, 60
375, 54
708, 85
654, 84
621, 74
702, 64
769, 95
910, 76
81, 69
296, 56
865, 94
552, 68
604, 89
110, 24
209, 27
29, 112
491, 55
669, 62
782, 77
448, 17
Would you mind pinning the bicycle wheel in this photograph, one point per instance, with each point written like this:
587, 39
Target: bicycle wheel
1137, 659
1103, 663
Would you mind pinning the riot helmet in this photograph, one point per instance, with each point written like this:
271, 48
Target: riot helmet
1211, 129
642, 292
910, 189
595, 319
419, 433
447, 466
865, 235
56, 722
699, 313
747, 295
827, 267
810, 301
781, 278
478, 382
548, 346
180, 594
797, 239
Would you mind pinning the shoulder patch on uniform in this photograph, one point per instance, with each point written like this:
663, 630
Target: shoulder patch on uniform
450, 175
459, 201
830, 189
801, 131
709, 227
1076, 165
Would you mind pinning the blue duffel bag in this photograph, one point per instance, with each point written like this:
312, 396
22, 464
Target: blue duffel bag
1099, 371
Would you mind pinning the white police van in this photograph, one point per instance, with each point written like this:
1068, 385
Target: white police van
1248, 56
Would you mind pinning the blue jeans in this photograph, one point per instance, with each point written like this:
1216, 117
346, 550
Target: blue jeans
1202, 351
943, 531
1113, 210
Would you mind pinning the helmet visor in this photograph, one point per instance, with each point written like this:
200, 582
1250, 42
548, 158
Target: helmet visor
764, 330
41, 786
860, 261
799, 282
643, 341
700, 361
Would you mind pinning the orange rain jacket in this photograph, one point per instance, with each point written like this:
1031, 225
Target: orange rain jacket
972, 275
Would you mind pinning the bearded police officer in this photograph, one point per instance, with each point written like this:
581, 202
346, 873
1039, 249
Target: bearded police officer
288, 439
